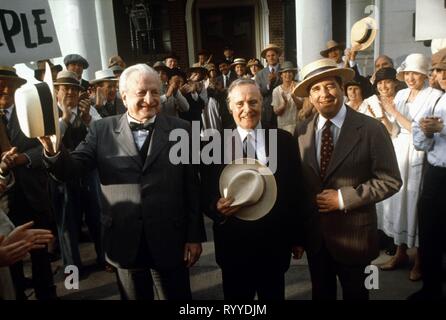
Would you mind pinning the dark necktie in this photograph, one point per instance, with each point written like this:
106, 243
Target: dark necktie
5, 143
248, 148
327, 148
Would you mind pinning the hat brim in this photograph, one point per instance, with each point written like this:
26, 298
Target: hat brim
400, 75
277, 49
268, 198
346, 74
68, 84
96, 81
249, 65
288, 69
325, 52
21, 81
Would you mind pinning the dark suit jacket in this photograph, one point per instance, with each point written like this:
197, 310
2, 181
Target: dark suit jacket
265, 243
364, 167
112, 109
156, 199
232, 77
30, 191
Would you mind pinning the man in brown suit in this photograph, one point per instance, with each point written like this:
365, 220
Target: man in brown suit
349, 164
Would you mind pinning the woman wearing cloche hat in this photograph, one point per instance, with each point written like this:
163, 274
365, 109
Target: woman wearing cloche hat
400, 211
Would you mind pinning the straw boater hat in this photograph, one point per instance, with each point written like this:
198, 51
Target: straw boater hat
254, 62
9, 73
238, 61
363, 33
287, 66
37, 110
104, 75
252, 185
331, 44
271, 47
415, 62
67, 78
320, 69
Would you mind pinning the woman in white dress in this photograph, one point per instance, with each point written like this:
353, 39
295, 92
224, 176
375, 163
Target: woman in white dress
285, 104
385, 88
400, 211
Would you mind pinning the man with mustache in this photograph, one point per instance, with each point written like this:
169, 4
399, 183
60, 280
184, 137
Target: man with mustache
349, 164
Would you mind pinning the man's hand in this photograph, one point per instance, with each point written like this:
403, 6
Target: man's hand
272, 77
224, 207
429, 126
328, 201
84, 110
100, 97
192, 252
298, 252
11, 253
8, 160
48, 145
36, 238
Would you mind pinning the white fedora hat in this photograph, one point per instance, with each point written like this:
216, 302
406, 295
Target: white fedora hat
252, 186
37, 110
319, 69
363, 33
104, 75
415, 62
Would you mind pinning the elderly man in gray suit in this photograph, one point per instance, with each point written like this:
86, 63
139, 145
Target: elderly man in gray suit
268, 79
349, 163
151, 213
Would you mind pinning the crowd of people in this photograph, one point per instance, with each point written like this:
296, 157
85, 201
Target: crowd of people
355, 154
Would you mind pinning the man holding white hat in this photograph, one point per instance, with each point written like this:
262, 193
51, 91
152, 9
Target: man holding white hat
107, 103
349, 164
259, 209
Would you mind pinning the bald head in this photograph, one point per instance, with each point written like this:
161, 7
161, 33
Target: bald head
383, 61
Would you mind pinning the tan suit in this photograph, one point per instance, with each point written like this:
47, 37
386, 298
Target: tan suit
364, 167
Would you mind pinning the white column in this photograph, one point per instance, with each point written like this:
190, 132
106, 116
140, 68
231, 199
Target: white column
77, 31
106, 30
313, 29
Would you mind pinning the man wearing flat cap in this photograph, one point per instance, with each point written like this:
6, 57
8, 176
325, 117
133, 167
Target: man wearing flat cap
429, 135
28, 199
77, 64
349, 165
268, 79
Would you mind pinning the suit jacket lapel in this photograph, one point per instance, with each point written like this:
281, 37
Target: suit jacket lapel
160, 137
125, 139
307, 145
348, 138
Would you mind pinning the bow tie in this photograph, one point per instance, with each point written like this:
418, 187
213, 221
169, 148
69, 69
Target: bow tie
134, 126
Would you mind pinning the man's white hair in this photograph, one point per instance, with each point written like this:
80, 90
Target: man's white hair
141, 69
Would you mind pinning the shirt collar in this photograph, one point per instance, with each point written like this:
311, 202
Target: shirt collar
338, 120
131, 119
244, 132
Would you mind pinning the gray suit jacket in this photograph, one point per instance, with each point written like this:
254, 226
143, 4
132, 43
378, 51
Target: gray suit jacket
155, 199
261, 78
364, 167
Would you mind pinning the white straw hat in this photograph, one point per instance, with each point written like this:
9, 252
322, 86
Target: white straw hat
319, 69
252, 185
104, 75
415, 62
363, 33
37, 110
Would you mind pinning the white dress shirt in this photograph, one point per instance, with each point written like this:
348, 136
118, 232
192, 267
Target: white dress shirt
337, 122
436, 146
257, 139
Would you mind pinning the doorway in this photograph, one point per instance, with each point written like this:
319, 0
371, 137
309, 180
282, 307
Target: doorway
233, 26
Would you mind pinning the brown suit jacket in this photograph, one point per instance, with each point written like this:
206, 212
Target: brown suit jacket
364, 167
